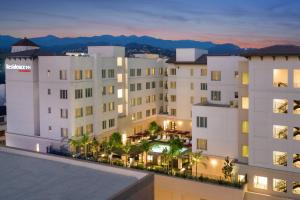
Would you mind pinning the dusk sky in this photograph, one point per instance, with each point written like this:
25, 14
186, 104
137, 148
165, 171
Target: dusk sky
248, 23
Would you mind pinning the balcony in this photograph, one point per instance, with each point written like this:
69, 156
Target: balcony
279, 158
280, 132
280, 106
296, 108
279, 185
296, 160
296, 133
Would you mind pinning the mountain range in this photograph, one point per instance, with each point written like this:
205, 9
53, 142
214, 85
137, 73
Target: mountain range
133, 44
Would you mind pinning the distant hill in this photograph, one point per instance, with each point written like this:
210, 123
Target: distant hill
133, 44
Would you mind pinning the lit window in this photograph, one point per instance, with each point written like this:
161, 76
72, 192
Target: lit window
78, 74
280, 77
203, 72
120, 108
279, 158
296, 160
119, 78
280, 106
245, 126
89, 128
280, 132
245, 78
279, 185
261, 182
241, 178
245, 151
215, 95
296, 187
120, 93
153, 71
88, 74
37, 147
297, 78
202, 144
119, 61
245, 102
216, 75
296, 133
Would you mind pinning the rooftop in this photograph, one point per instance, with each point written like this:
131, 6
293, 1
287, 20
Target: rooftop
277, 50
27, 175
31, 53
25, 42
202, 60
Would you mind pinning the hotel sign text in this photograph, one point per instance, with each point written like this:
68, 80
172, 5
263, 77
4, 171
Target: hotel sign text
20, 68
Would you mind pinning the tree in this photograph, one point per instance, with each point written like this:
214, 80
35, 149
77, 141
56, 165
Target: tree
228, 168
166, 158
154, 128
84, 141
115, 141
176, 146
196, 158
145, 146
126, 149
95, 147
74, 144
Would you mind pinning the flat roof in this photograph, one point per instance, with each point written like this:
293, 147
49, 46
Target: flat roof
27, 177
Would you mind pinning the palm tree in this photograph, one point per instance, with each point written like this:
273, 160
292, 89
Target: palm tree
74, 144
228, 168
84, 141
126, 149
115, 141
154, 128
95, 147
145, 146
176, 146
196, 158
166, 158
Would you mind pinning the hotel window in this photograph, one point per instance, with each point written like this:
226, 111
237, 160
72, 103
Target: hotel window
279, 158
279, 185
280, 132
139, 100
236, 95
192, 86
245, 102
148, 85
192, 72
153, 98
296, 187
161, 96
153, 111
64, 132
88, 110
89, 128
148, 113
296, 78
201, 122
132, 87
120, 93
111, 73
138, 86
120, 108
173, 98
103, 125
203, 99
111, 106
296, 160
78, 93
173, 84
104, 107
78, 74
236, 74
103, 72
79, 131
133, 117
296, 108
173, 112
153, 84
111, 123
64, 113
280, 106
161, 84
119, 78
203, 86
245, 126
119, 61
63, 74
88, 74
78, 112
260, 182
132, 72
245, 78
139, 115
245, 151
88, 92
173, 71
148, 71
103, 90
280, 77
203, 72
49, 91
48, 73
215, 95
49, 110
139, 72
132, 102
296, 133
161, 71
63, 94
111, 89
50, 128
202, 144
153, 71
216, 75
192, 100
